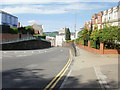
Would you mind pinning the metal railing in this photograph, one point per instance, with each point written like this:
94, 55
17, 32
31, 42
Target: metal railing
21, 39
39, 38
17, 40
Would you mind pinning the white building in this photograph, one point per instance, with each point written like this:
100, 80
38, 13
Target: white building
60, 38
110, 16
119, 16
51, 39
8, 19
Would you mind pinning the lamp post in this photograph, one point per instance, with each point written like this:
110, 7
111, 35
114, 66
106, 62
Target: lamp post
75, 24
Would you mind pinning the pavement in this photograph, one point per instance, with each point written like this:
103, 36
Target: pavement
93, 71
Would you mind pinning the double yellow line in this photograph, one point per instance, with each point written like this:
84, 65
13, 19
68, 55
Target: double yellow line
55, 80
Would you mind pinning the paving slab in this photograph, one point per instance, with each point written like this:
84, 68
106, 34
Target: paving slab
91, 70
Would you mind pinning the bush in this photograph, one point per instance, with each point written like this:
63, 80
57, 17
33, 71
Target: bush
106, 35
68, 41
40, 36
111, 45
4, 28
29, 29
13, 30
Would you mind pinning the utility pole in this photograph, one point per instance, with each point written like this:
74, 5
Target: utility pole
75, 24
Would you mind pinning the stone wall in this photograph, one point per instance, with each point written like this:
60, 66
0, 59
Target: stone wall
26, 45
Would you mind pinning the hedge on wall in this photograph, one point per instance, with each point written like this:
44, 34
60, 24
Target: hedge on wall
41, 36
4, 28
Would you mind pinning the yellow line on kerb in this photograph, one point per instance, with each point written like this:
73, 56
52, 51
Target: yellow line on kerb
62, 72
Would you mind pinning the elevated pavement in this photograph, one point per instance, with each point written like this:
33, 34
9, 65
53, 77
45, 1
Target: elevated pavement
93, 71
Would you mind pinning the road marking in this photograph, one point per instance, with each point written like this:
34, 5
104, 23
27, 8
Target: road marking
59, 75
4, 52
32, 65
101, 78
61, 50
21, 55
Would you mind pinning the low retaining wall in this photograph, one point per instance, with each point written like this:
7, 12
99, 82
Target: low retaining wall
111, 51
26, 45
100, 51
90, 49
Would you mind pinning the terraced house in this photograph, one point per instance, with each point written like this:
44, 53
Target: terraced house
109, 17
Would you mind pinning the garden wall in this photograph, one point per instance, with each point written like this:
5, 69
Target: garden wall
7, 36
26, 45
101, 50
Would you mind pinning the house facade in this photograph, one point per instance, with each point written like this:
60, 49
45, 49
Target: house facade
38, 29
109, 17
8, 19
60, 38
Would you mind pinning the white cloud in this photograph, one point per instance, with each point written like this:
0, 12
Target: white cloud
51, 9
49, 1
36, 1
33, 10
33, 22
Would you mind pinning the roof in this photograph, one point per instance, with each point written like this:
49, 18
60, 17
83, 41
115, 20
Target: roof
7, 13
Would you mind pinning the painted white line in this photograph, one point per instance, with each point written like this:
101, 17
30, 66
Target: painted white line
21, 55
66, 78
31, 66
4, 52
7, 56
61, 50
101, 78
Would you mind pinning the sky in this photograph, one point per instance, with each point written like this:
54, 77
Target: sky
55, 14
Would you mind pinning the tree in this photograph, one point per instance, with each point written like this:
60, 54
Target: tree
13, 30
22, 30
67, 34
29, 29
107, 35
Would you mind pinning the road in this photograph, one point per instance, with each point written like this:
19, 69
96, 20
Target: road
32, 68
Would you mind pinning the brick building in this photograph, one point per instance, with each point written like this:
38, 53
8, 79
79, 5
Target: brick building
88, 25
109, 17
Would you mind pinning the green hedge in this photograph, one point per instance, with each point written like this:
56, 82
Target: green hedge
41, 36
4, 28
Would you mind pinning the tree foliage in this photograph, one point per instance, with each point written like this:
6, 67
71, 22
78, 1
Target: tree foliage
67, 34
107, 34
29, 29
13, 30
83, 34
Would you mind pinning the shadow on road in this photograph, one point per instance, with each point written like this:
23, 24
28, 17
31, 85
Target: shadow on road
33, 78
24, 78
90, 85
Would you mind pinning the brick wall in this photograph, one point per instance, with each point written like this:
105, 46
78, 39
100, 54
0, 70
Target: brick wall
7, 36
101, 50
